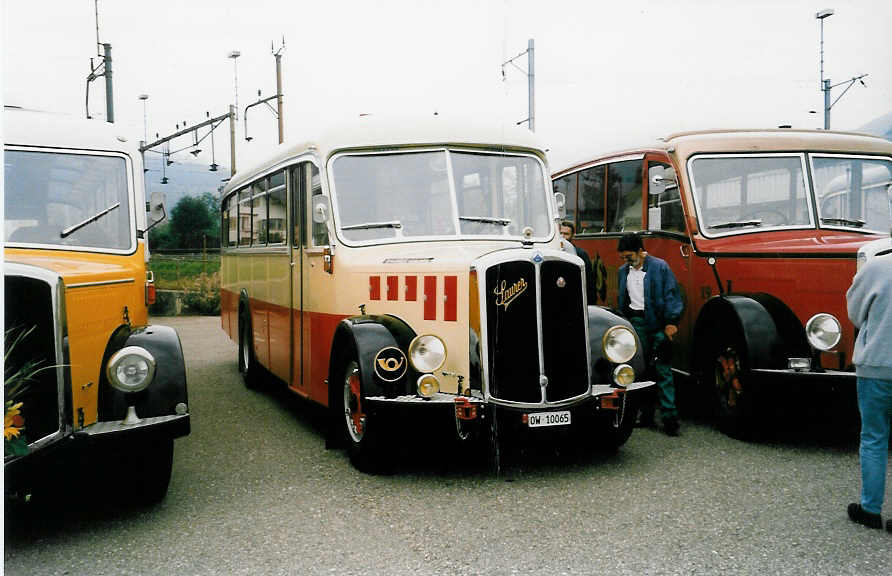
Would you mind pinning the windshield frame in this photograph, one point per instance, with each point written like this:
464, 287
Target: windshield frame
131, 200
806, 175
843, 155
458, 236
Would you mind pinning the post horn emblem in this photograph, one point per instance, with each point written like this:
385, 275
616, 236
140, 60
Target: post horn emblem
390, 364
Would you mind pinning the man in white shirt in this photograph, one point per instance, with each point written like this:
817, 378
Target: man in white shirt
649, 298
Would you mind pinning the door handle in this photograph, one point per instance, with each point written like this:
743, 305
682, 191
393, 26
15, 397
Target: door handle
684, 251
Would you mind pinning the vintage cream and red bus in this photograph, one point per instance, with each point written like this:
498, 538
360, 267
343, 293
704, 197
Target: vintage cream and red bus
762, 229
394, 268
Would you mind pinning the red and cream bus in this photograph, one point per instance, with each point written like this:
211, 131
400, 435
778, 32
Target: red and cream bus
387, 269
762, 230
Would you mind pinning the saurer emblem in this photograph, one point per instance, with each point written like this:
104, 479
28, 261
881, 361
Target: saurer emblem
505, 294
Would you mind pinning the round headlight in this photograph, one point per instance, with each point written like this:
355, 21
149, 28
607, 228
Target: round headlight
823, 331
427, 385
619, 344
131, 369
624, 375
427, 353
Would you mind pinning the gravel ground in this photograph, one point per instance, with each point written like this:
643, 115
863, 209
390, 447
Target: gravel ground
255, 492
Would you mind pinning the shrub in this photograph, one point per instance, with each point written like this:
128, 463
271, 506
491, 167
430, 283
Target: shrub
203, 295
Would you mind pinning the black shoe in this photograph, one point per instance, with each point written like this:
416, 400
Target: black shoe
862, 516
670, 427
889, 526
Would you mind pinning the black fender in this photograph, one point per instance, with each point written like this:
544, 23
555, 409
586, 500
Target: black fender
764, 328
600, 319
367, 335
168, 388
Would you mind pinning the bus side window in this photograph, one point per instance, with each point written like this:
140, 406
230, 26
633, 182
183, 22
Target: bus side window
320, 230
624, 196
244, 216
591, 200
275, 228
258, 213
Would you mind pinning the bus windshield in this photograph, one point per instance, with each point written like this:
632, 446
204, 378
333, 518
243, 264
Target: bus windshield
439, 193
854, 192
66, 199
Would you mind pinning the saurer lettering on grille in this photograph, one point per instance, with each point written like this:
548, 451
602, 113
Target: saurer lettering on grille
505, 294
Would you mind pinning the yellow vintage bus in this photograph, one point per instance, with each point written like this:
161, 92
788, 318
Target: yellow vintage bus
389, 269
85, 375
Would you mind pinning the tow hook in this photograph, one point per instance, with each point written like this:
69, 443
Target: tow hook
612, 401
464, 410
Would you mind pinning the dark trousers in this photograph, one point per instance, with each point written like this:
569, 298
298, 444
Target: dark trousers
658, 356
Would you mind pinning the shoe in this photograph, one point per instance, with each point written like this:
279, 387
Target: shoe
862, 516
670, 427
889, 526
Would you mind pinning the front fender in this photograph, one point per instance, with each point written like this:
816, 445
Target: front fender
600, 319
768, 330
167, 390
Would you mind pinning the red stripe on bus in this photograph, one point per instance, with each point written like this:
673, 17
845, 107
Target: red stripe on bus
411, 288
393, 287
374, 287
430, 297
450, 303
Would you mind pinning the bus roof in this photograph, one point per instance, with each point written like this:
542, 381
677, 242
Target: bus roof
383, 132
684, 144
24, 127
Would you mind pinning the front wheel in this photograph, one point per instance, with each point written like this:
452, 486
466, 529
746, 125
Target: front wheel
734, 392
147, 466
363, 432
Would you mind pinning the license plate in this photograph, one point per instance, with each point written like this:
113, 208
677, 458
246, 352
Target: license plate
540, 419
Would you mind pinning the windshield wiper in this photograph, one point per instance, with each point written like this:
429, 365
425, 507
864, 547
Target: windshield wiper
67, 231
856, 222
737, 224
487, 219
369, 225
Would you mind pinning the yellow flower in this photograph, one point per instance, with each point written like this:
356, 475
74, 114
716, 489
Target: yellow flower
10, 420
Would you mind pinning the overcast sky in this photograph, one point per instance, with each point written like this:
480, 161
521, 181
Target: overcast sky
608, 74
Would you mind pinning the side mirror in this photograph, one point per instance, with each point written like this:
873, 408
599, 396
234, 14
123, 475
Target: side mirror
560, 203
662, 179
321, 209
155, 212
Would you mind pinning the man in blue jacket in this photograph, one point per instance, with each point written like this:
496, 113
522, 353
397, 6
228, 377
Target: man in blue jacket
869, 302
649, 298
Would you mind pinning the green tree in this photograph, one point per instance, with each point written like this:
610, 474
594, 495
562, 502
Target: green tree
193, 219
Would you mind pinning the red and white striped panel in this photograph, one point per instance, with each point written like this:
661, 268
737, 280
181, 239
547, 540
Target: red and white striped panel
446, 287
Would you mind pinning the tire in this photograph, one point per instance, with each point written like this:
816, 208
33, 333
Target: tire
733, 390
147, 465
364, 434
247, 363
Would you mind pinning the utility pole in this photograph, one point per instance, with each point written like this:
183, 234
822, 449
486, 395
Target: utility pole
109, 90
277, 96
232, 113
531, 82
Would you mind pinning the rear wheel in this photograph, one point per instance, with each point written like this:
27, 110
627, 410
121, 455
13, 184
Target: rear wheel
364, 434
247, 363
